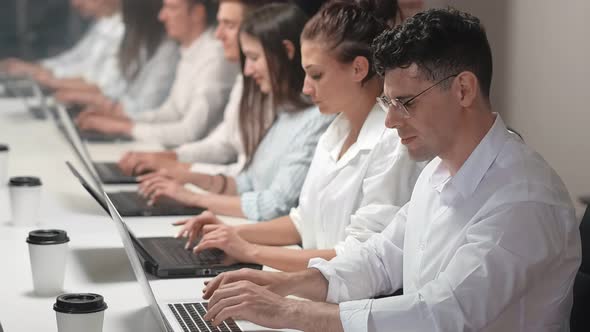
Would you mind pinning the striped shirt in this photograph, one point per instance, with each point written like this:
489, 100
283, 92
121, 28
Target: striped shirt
270, 185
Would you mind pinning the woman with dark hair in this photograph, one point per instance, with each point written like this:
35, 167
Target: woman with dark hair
361, 174
278, 128
147, 60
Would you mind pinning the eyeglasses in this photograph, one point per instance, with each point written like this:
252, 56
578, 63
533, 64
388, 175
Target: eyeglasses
399, 106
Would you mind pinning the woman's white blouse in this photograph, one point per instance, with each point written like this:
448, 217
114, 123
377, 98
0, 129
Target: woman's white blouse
356, 195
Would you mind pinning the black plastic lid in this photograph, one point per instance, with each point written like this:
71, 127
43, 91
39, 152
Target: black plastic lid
47, 237
25, 181
79, 303
4, 147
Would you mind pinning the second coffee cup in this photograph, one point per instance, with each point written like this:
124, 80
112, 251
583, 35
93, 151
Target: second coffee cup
48, 253
25, 197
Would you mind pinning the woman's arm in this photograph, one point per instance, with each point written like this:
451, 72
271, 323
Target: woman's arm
289, 260
276, 232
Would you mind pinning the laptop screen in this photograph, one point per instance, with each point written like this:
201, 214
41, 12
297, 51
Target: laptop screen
136, 264
93, 192
78, 146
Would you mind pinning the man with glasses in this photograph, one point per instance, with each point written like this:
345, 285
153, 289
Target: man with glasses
489, 240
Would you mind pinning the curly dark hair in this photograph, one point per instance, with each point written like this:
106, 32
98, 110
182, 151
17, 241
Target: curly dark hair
442, 42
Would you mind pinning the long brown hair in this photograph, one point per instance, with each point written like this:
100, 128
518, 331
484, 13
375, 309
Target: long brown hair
143, 33
271, 25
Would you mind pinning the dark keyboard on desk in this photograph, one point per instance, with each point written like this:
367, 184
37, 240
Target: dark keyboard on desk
186, 257
190, 317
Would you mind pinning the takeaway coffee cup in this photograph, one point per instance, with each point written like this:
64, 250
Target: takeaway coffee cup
25, 197
79, 312
48, 250
4, 149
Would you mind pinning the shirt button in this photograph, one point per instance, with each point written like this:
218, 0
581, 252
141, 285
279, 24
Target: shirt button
422, 246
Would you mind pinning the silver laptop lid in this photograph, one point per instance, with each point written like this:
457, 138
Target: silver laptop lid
136, 264
78, 146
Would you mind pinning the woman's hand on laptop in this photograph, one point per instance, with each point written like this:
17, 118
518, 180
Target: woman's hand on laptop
162, 187
177, 172
226, 238
192, 227
136, 163
105, 124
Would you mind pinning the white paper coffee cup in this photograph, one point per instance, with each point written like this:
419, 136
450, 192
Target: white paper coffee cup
4, 149
48, 253
79, 312
25, 198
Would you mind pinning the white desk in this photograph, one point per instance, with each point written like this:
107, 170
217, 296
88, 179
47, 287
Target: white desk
97, 262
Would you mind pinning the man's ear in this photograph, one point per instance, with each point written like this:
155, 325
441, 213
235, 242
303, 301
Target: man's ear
360, 68
466, 88
289, 48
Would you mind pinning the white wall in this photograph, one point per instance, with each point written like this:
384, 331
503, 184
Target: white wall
541, 82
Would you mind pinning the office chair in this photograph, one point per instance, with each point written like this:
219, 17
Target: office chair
580, 319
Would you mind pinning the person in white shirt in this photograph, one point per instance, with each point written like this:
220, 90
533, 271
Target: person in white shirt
360, 174
91, 63
222, 151
147, 61
489, 240
279, 129
200, 90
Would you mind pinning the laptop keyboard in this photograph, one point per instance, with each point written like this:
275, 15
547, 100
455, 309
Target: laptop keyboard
174, 251
164, 206
190, 317
182, 256
108, 169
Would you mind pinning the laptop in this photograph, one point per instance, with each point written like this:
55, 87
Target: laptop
167, 257
92, 135
107, 172
29, 92
131, 204
171, 317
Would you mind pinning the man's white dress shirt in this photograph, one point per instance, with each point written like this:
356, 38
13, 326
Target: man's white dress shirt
495, 247
195, 105
346, 200
222, 151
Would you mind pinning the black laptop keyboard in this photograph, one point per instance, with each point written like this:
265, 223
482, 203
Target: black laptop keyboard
109, 169
190, 317
164, 206
174, 251
182, 256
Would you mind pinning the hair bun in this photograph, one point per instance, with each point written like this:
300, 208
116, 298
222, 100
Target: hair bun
383, 10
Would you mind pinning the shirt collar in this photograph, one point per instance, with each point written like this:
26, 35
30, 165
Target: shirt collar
111, 24
477, 164
370, 133
197, 46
